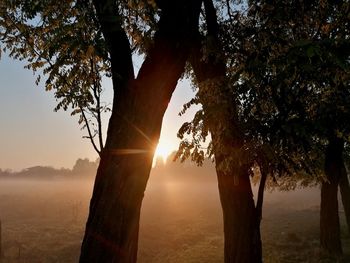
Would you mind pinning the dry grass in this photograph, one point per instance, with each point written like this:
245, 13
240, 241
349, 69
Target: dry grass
43, 221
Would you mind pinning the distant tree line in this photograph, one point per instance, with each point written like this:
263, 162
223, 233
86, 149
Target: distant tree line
86, 169
81, 168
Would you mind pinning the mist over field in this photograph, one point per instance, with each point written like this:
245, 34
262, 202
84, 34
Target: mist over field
43, 219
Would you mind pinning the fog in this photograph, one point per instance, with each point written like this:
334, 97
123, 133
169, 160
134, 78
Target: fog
181, 221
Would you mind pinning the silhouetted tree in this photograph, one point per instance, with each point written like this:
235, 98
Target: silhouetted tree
241, 229
73, 34
84, 167
286, 103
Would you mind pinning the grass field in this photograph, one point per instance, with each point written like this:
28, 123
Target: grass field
43, 221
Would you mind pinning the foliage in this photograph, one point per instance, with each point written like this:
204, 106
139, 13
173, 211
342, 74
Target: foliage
288, 70
85, 167
53, 37
285, 101
62, 42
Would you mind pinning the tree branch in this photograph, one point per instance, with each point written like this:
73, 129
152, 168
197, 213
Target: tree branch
211, 18
64, 78
97, 95
91, 137
117, 42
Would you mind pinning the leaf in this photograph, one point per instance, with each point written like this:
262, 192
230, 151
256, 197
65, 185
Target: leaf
310, 51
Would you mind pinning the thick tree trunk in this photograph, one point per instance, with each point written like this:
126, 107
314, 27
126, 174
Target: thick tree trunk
242, 233
241, 222
345, 194
241, 218
329, 218
112, 228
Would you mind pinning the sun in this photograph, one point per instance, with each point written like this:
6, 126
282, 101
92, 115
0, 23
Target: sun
163, 150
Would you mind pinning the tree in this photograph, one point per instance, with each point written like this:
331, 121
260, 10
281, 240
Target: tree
219, 116
141, 118
138, 105
297, 111
84, 167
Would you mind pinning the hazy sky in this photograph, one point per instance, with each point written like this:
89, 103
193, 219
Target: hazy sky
31, 133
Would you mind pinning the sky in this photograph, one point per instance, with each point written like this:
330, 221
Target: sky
31, 133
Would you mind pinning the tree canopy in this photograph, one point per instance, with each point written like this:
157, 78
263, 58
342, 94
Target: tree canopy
275, 52
63, 44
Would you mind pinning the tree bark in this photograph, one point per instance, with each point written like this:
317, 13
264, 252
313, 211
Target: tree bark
329, 215
241, 231
112, 227
259, 208
345, 194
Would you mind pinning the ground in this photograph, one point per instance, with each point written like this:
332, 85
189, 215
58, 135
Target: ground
43, 221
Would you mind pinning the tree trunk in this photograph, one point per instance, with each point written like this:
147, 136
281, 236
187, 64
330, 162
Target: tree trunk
241, 231
259, 208
112, 228
242, 236
241, 220
345, 194
329, 219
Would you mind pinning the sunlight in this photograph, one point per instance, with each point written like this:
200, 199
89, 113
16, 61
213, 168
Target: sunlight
163, 150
